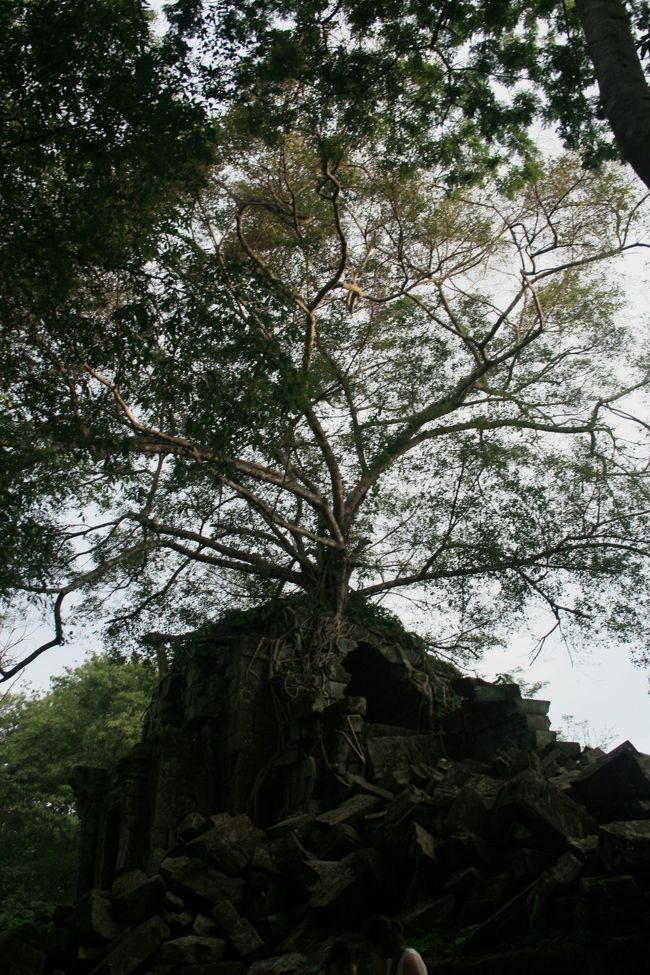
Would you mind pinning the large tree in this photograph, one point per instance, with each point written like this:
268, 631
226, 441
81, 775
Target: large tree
337, 378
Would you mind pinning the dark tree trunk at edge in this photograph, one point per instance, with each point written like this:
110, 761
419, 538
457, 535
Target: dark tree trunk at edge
622, 83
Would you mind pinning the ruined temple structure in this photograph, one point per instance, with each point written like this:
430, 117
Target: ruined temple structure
235, 727
292, 781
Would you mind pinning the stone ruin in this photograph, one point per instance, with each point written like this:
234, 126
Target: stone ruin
265, 813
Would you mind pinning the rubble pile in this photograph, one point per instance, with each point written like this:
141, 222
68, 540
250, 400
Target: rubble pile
511, 851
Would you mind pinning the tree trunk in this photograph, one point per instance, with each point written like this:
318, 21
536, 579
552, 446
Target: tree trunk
622, 83
332, 584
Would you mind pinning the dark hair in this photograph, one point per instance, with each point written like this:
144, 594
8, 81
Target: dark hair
340, 953
384, 934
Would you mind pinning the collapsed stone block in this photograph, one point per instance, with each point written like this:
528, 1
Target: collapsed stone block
130, 950
610, 906
95, 921
191, 826
191, 949
549, 815
615, 786
281, 964
435, 913
193, 877
350, 811
239, 931
18, 957
343, 882
625, 847
139, 899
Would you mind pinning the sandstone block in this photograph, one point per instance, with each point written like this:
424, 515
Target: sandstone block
529, 800
614, 787
95, 922
132, 949
192, 949
193, 877
238, 931
141, 900
625, 847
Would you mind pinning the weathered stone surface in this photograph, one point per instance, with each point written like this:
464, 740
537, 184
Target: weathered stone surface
509, 919
342, 882
300, 824
478, 690
192, 949
625, 847
127, 882
525, 864
95, 921
130, 951
238, 931
421, 843
471, 808
19, 958
335, 842
391, 756
228, 844
615, 786
229, 857
351, 811
191, 826
179, 923
530, 800
611, 906
205, 926
193, 877
282, 964
140, 901
213, 968
433, 913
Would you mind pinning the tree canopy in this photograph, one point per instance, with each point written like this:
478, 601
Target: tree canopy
335, 378
296, 307
458, 83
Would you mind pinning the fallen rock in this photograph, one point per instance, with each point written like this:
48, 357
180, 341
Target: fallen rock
191, 949
137, 899
193, 877
239, 931
281, 964
351, 811
130, 950
625, 847
553, 819
616, 786
228, 844
18, 957
435, 913
95, 922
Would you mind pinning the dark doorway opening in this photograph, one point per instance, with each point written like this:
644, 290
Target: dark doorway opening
392, 697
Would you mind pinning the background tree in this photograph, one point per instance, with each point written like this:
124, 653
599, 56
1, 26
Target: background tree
92, 715
336, 379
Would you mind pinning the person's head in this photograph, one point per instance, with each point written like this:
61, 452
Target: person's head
340, 959
384, 936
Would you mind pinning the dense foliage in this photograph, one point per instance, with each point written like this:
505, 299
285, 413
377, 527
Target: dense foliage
292, 304
455, 83
91, 716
